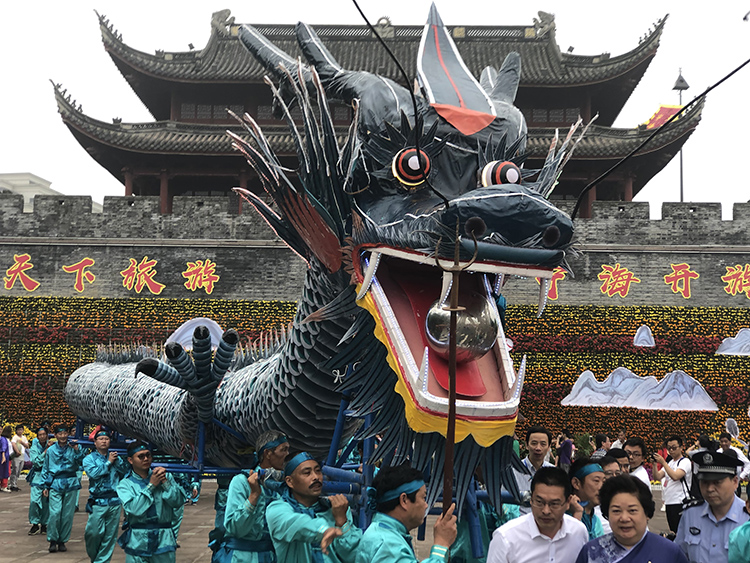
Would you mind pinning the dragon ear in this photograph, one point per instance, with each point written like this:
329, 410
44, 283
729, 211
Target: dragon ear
506, 81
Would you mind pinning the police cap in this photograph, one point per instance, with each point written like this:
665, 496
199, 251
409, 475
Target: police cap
713, 466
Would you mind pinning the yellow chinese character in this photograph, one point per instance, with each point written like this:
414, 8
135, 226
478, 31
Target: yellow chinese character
680, 279
201, 275
616, 280
17, 271
737, 280
139, 275
81, 276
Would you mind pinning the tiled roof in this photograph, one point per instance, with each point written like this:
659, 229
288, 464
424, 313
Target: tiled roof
605, 143
163, 137
173, 138
224, 59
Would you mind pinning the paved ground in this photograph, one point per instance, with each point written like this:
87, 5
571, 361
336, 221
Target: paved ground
17, 547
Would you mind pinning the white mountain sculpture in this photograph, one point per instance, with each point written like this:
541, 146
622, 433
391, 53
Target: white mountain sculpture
644, 337
622, 388
184, 333
737, 346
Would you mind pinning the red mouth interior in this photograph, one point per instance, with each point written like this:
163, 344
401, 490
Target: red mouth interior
411, 290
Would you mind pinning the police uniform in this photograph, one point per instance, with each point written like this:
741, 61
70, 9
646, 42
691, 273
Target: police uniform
702, 537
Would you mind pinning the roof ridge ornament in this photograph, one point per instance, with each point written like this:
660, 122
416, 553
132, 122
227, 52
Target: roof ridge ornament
221, 21
545, 23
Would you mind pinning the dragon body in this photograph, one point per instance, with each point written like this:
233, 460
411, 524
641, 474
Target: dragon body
419, 184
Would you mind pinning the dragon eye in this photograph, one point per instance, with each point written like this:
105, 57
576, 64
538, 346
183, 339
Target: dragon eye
409, 168
497, 172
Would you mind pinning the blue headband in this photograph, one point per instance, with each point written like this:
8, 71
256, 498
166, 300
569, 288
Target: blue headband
102, 433
293, 463
588, 470
271, 445
134, 448
407, 488
62, 428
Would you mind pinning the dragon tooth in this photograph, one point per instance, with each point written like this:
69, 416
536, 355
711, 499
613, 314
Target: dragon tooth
447, 284
543, 289
424, 369
372, 267
499, 282
518, 386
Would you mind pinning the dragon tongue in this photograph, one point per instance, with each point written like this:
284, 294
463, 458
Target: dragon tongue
468, 377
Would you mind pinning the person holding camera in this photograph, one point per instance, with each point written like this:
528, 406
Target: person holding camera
677, 476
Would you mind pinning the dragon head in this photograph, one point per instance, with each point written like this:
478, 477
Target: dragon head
422, 185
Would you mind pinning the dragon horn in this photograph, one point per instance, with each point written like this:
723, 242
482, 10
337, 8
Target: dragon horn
347, 85
267, 54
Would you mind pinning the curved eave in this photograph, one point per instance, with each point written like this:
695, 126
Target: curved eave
116, 145
604, 147
588, 70
607, 143
225, 60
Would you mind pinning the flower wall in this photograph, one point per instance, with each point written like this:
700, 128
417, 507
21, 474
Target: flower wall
565, 341
43, 340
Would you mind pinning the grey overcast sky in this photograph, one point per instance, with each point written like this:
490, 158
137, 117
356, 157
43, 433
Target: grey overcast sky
61, 41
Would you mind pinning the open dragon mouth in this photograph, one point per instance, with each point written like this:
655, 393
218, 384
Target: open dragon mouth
406, 292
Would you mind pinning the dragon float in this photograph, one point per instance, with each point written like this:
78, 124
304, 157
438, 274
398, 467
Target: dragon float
420, 180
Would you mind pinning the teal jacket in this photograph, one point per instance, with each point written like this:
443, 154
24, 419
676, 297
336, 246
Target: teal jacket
739, 544
296, 532
36, 454
388, 541
60, 467
149, 513
104, 477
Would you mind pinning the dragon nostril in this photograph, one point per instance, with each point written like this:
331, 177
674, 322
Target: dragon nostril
551, 236
475, 226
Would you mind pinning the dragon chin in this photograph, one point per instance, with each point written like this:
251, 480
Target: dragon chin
396, 287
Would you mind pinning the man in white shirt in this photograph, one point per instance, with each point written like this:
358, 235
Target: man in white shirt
622, 437
678, 477
538, 442
636, 450
19, 445
725, 441
547, 534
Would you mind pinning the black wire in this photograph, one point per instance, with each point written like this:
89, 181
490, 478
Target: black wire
413, 101
654, 134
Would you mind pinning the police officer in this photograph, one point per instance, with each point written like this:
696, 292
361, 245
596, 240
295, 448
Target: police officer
703, 534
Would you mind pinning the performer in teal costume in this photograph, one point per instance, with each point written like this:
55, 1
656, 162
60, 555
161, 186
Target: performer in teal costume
38, 503
306, 528
399, 497
61, 462
586, 477
247, 539
149, 498
739, 538
105, 469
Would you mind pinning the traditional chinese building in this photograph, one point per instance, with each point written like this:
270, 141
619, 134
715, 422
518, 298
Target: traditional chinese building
186, 151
